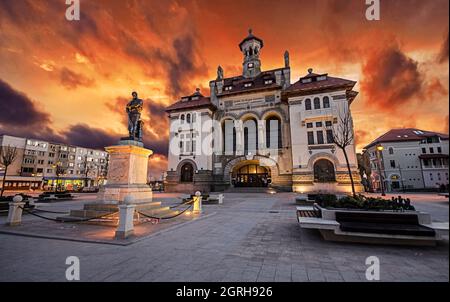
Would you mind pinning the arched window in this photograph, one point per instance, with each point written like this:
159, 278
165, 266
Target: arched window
229, 137
391, 150
308, 104
182, 118
273, 133
188, 118
326, 102
324, 171
187, 173
250, 136
316, 103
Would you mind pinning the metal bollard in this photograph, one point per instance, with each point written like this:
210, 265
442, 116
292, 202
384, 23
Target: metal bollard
15, 211
197, 203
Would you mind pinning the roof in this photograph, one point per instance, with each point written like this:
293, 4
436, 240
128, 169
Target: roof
257, 83
432, 156
313, 82
195, 100
251, 37
406, 134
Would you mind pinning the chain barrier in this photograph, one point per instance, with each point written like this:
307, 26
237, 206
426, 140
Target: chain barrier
188, 201
60, 220
165, 218
46, 211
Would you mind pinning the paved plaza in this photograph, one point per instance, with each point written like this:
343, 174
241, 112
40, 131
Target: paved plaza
251, 237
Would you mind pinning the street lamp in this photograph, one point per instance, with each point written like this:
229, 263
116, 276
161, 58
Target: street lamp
379, 149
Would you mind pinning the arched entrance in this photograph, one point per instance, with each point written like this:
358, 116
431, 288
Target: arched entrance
251, 174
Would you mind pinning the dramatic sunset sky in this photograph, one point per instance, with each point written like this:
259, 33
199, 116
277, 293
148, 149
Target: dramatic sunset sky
69, 81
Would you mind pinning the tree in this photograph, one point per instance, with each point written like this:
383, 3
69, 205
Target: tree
60, 171
343, 137
7, 156
87, 168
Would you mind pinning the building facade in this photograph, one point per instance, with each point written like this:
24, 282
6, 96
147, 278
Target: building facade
409, 159
46, 165
258, 129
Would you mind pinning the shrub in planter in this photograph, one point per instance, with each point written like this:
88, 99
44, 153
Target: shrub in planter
326, 200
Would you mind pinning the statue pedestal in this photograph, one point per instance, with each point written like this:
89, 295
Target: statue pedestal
127, 174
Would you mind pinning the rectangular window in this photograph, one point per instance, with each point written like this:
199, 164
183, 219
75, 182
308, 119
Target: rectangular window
320, 140
330, 139
319, 124
424, 150
310, 138
439, 149
431, 150
309, 125
328, 124
392, 163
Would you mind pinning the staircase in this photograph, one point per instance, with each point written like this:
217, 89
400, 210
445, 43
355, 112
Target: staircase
250, 190
93, 210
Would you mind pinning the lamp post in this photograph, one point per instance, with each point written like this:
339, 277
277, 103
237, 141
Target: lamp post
379, 149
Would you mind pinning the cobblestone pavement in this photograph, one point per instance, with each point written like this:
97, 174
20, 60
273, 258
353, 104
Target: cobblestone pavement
253, 237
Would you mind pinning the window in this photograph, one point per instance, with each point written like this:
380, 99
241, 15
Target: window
187, 173
273, 133
426, 163
424, 150
40, 162
328, 124
326, 102
49, 171
308, 104
392, 163
182, 119
316, 103
320, 137
439, 149
246, 85
309, 125
324, 171
330, 139
310, 138
391, 150
432, 150
319, 124
188, 118
267, 82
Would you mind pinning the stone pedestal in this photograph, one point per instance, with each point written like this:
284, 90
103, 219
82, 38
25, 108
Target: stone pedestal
127, 174
197, 205
15, 213
126, 225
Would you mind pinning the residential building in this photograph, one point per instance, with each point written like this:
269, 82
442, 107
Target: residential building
46, 165
409, 159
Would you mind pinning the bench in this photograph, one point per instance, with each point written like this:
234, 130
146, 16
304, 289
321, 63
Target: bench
373, 227
383, 223
215, 198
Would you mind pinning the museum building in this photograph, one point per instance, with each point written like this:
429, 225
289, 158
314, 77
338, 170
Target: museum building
258, 129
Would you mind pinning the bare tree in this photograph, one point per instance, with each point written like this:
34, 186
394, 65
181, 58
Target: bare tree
7, 156
343, 137
87, 168
60, 171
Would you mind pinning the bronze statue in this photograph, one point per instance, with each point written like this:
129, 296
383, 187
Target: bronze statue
134, 108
